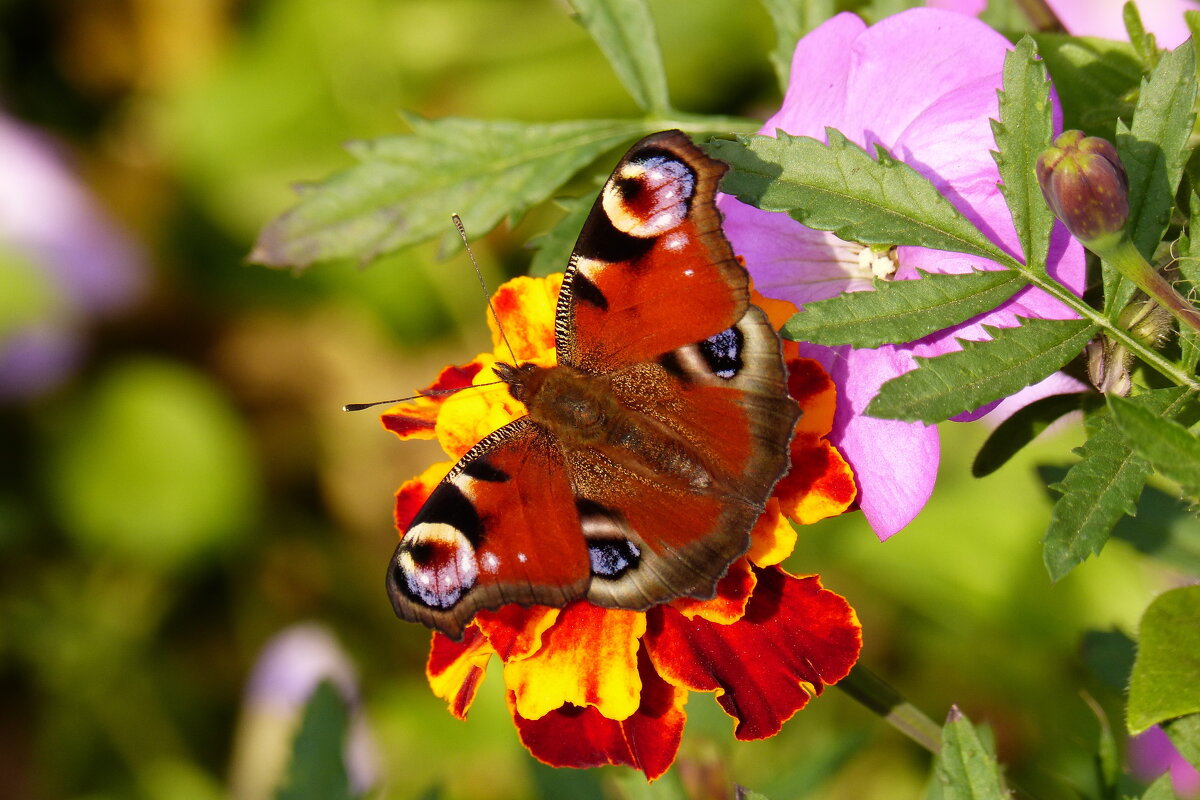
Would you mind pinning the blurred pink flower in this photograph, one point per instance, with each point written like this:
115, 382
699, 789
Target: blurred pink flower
1151, 754
1105, 19
291, 666
53, 235
923, 84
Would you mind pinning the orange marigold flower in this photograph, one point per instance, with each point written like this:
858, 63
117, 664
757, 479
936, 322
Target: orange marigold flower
589, 686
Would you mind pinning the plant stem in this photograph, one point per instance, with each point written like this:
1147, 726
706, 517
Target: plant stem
873, 692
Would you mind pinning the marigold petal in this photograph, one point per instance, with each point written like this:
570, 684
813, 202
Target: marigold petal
417, 419
772, 538
526, 308
413, 493
819, 482
455, 669
733, 592
588, 658
647, 740
515, 632
794, 640
467, 417
778, 311
810, 385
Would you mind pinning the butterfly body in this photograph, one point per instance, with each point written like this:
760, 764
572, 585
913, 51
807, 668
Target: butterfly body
650, 448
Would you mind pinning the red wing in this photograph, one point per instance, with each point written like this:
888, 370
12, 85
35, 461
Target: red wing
501, 528
723, 403
652, 270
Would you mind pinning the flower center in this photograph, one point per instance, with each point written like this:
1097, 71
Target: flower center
876, 261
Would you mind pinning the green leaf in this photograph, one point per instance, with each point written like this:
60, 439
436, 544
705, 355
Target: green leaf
982, 371
1023, 131
1098, 490
840, 188
1154, 151
1165, 528
318, 770
793, 19
404, 188
554, 247
1189, 267
964, 768
1025, 425
1109, 655
1094, 78
1161, 789
1163, 684
1185, 735
625, 33
1166, 444
1143, 42
901, 311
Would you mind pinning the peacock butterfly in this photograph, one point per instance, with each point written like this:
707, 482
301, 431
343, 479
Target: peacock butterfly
648, 452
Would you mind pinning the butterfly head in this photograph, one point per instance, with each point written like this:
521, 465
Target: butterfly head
522, 379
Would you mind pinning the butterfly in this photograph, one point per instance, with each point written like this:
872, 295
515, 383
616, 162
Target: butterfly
648, 451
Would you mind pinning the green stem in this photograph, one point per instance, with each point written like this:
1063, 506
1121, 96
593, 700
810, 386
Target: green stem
1131, 343
1126, 258
873, 692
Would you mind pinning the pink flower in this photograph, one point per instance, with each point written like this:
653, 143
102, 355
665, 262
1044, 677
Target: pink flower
65, 254
1151, 753
1104, 18
922, 84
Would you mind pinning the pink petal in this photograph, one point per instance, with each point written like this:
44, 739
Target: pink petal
895, 463
1103, 18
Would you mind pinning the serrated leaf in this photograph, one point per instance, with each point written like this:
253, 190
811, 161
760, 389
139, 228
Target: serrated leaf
1185, 735
982, 371
1100, 489
1022, 133
625, 33
554, 247
1143, 42
793, 19
1021, 428
1154, 150
1166, 444
1093, 78
964, 768
840, 188
1163, 684
404, 188
317, 770
901, 311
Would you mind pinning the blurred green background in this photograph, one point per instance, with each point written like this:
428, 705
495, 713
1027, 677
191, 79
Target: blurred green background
179, 484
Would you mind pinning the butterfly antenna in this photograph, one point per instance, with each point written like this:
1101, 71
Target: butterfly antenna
426, 393
483, 284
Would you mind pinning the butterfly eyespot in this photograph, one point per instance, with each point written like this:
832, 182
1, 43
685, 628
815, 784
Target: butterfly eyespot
650, 196
723, 353
612, 558
435, 565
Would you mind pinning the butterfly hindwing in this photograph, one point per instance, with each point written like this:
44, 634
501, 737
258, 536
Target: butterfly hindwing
500, 528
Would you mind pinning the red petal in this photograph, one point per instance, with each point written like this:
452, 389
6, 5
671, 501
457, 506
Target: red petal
572, 736
417, 419
795, 639
516, 631
455, 669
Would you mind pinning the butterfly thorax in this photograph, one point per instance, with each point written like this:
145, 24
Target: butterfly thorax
582, 410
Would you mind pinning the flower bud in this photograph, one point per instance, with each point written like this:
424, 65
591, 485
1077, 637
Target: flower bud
1084, 184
